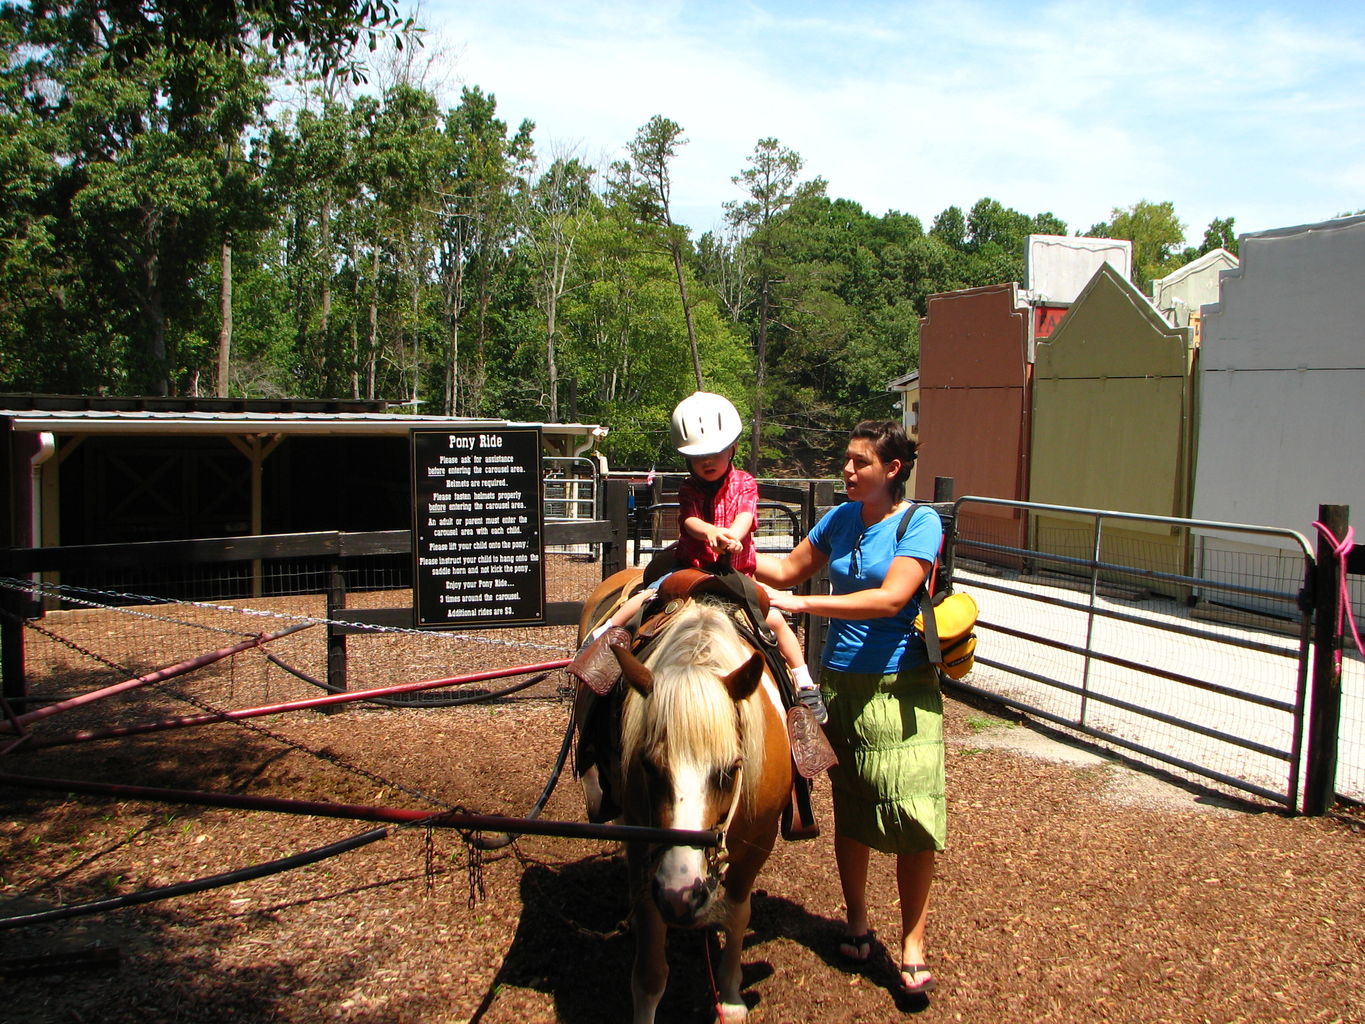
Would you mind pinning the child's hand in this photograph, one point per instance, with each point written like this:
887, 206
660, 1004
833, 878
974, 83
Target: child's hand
724, 540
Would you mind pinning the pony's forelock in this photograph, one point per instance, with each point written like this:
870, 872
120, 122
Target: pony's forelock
689, 702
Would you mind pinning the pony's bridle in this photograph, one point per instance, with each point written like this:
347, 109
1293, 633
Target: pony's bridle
719, 855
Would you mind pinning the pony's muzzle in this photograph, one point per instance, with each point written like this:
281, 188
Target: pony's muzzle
682, 889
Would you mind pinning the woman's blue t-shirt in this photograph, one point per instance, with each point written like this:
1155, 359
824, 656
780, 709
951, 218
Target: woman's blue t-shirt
887, 644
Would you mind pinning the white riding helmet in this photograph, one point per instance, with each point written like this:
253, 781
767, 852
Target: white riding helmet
704, 424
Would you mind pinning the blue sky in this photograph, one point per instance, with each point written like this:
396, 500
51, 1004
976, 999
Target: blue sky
1253, 110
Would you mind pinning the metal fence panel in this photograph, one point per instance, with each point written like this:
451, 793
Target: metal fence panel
1128, 645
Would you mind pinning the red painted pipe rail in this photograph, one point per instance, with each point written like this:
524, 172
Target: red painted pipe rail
305, 704
160, 675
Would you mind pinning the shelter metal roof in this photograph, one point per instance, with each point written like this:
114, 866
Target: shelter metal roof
196, 417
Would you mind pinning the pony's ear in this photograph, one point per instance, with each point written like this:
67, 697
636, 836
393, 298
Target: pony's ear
641, 678
744, 680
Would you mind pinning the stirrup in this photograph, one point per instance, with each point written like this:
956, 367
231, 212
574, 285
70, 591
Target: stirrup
811, 751
595, 666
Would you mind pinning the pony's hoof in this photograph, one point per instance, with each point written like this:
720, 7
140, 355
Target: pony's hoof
732, 1013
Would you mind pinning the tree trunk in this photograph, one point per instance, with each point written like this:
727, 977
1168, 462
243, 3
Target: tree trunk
355, 334
373, 354
156, 329
760, 376
454, 294
324, 348
551, 363
687, 308
416, 343
224, 319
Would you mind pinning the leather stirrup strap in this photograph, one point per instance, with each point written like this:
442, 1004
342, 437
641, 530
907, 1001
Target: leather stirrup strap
798, 820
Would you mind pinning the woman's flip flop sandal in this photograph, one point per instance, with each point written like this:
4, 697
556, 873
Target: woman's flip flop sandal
924, 987
857, 949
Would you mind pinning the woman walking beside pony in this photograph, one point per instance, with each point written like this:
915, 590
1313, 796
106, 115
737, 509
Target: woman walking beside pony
885, 711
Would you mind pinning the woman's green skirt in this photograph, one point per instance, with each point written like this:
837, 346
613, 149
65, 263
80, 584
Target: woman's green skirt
888, 734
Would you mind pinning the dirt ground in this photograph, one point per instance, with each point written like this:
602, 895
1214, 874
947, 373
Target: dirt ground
1073, 888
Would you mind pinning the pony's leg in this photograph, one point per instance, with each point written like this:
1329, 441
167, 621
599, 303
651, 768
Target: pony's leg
650, 974
732, 1008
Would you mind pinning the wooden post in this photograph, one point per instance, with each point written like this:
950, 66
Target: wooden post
820, 493
615, 510
12, 682
1324, 706
943, 494
336, 640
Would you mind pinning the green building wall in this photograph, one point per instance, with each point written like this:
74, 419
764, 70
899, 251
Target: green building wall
1113, 428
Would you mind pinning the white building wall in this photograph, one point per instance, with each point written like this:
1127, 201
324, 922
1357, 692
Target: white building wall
1194, 285
1058, 267
1282, 394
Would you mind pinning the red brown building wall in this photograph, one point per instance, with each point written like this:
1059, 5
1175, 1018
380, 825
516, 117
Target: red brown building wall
975, 404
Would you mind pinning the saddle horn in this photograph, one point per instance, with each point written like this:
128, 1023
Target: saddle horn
639, 677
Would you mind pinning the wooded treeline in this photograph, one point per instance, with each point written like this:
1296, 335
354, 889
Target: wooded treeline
170, 225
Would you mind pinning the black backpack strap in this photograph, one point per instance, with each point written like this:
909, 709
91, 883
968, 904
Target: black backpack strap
932, 648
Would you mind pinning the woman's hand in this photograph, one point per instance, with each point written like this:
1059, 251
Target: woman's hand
903, 580
783, 600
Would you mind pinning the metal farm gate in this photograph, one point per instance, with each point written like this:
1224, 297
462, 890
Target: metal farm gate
1111, 624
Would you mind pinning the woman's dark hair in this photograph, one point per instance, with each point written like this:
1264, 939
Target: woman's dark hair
888, 440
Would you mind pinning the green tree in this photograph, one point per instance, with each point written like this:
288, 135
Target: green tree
406, 159
484, 169
724, 263
950, 228
1220, 234
1157, 236
326, 31
314, 170
554, 212
849, 321
645, 184
143, 108
771, 187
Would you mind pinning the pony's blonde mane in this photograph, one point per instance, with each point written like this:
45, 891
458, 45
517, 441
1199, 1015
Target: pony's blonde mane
690, 704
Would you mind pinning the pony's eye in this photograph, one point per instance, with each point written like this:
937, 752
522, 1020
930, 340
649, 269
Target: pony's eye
656, 775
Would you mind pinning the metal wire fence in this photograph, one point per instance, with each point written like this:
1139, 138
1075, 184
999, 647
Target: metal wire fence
96, 635
1176, 643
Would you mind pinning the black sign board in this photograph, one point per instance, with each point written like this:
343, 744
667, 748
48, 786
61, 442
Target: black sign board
478, 527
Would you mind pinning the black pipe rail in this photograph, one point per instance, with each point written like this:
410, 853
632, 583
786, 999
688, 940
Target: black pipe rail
456, 819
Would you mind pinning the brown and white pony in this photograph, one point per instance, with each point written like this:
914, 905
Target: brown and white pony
703, 745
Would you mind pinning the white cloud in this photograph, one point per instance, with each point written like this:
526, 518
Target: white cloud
1225, 109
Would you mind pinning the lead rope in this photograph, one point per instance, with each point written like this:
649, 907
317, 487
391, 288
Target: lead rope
722, 857
711, 973
1345, 615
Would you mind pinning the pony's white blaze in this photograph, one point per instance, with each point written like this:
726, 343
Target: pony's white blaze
682, 872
